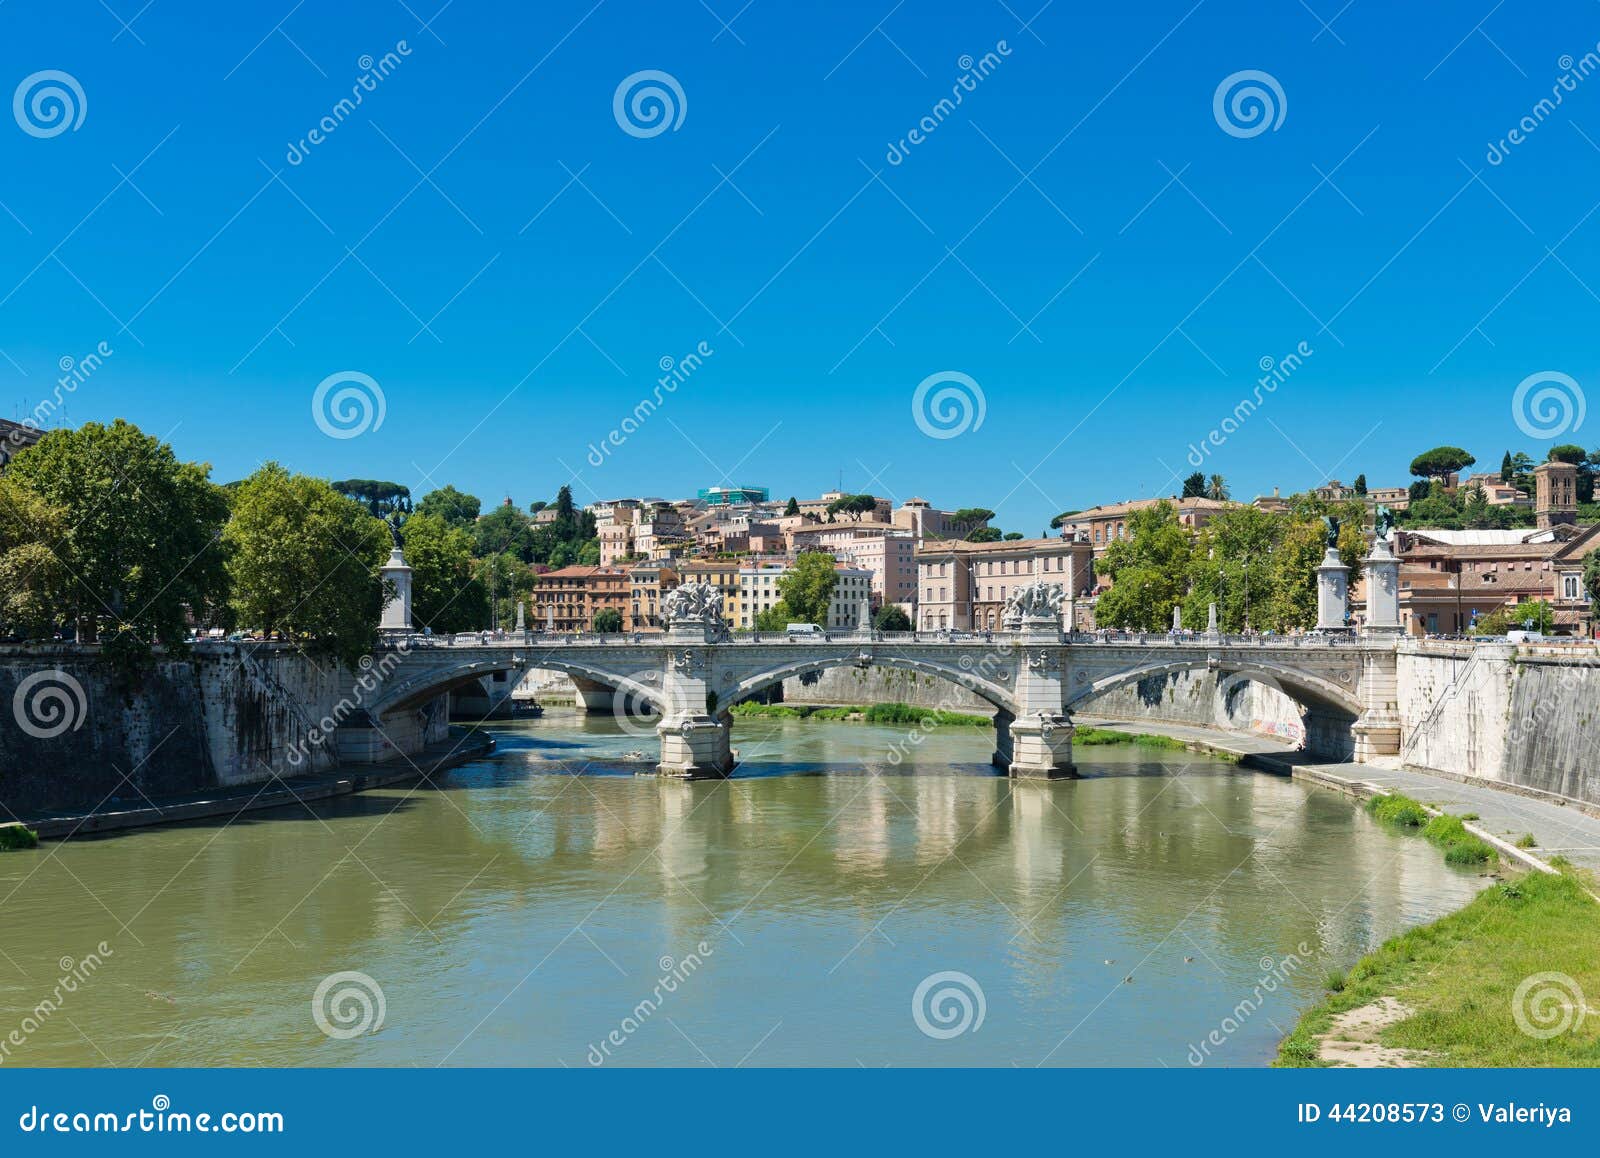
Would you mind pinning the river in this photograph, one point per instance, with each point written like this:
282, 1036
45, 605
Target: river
546, 906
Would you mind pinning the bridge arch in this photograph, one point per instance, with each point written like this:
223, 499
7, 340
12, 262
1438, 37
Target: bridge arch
1310, 691
989, 690
415, 688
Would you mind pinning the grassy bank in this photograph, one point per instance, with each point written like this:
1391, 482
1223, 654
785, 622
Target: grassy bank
871, 714
1095, 736
1448, 832
1460, 976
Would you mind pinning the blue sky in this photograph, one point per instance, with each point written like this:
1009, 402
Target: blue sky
1080, 237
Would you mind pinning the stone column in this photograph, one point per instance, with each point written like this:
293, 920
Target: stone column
1211, 622
1383, 591
1377, 732
694, 729
1332, 592
1039, 738
397, 610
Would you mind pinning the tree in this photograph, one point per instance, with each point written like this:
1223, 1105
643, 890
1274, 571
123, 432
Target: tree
806, 588
1147, 571
1194, 486
305, 560
1217, 488
1012, 536
1064, 517
856, 505
141, 538
1507, 471
968, 519
1534, 615
381, 498
608, 621
506, 579
1361, 484
1441, 462
445, 594
774, 618
891, 618
453, 506
1229, 566
985, 535
792, 509
35, 585
504, 529
1591, 576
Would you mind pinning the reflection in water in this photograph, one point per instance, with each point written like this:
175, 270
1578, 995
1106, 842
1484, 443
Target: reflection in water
528, 905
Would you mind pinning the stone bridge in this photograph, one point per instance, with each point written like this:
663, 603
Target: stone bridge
1034, 676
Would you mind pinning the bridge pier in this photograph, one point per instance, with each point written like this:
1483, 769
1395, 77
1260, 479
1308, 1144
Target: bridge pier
695, 747
693, 731
1037, 747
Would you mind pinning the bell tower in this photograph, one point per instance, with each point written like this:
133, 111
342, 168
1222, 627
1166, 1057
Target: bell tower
1555, 501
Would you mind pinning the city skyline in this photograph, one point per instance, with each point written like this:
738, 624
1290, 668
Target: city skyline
491, 240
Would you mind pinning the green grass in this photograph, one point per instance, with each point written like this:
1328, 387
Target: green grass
906, 714
15, 836
1460, 846
1091, 737
1398, 810
1460, 975
794, 711
1527, 840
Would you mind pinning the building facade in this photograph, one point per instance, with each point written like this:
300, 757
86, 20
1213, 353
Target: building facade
964, 586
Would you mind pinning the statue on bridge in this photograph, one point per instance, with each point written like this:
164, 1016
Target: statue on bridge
694, 604
1383, 524
1034, 601
1330, 527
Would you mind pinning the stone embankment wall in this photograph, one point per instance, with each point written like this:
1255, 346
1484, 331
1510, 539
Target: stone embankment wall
74, 733
1177, 698
1525, 717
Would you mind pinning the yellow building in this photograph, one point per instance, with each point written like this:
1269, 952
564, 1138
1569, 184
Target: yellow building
723, 574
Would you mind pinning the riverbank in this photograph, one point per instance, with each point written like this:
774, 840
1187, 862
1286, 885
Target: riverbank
280, 792
861, 713
1502, 982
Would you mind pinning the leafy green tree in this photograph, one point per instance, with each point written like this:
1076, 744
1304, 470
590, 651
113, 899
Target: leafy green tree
793, 508
34, 583
454, 507
1591, 576
857, 505
1147, 571
1361, 484
891, 618
1534, 615
807, 587
142, 528
305, 560
608, 621
1194, 486
967, 519
1580, 458
775, 618
504, 530
506, 579
381, 498
1012, 536
1440, 462
1217, 488
445, 594
1507, 471
985, 535
1063, 518
1229, 565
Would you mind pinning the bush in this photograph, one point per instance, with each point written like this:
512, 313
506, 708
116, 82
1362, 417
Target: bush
15, 836
1399, 810
1527, 840
1460, 846
906, 714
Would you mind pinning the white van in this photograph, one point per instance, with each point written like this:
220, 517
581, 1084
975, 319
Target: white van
803, 631
1520, 636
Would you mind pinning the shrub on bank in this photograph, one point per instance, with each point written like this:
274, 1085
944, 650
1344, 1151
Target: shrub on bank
16, 836
1397, 809
1460, 846
1092, 737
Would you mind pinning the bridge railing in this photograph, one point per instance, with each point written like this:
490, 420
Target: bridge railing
1185, 639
